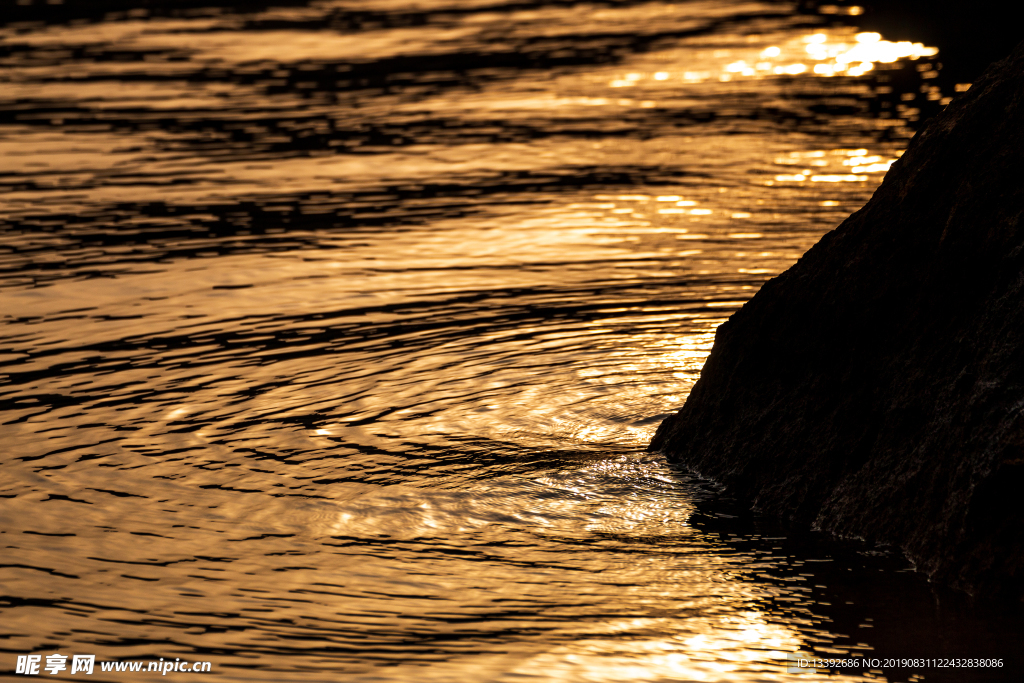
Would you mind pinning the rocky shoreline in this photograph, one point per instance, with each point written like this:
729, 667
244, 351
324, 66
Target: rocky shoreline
876, 388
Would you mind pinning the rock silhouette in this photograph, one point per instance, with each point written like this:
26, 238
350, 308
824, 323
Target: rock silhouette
876, 388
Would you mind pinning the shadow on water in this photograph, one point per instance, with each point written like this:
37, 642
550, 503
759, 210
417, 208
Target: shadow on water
865, 601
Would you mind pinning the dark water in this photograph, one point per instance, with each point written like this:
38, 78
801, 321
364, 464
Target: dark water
333, 335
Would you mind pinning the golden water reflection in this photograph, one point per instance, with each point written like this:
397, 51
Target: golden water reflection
322, 357
834, 52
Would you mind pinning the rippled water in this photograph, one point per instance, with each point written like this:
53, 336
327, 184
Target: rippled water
333, 336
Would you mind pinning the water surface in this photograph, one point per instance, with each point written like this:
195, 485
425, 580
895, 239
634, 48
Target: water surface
333, 335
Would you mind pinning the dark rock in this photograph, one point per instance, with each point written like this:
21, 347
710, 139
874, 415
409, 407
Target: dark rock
876, 388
